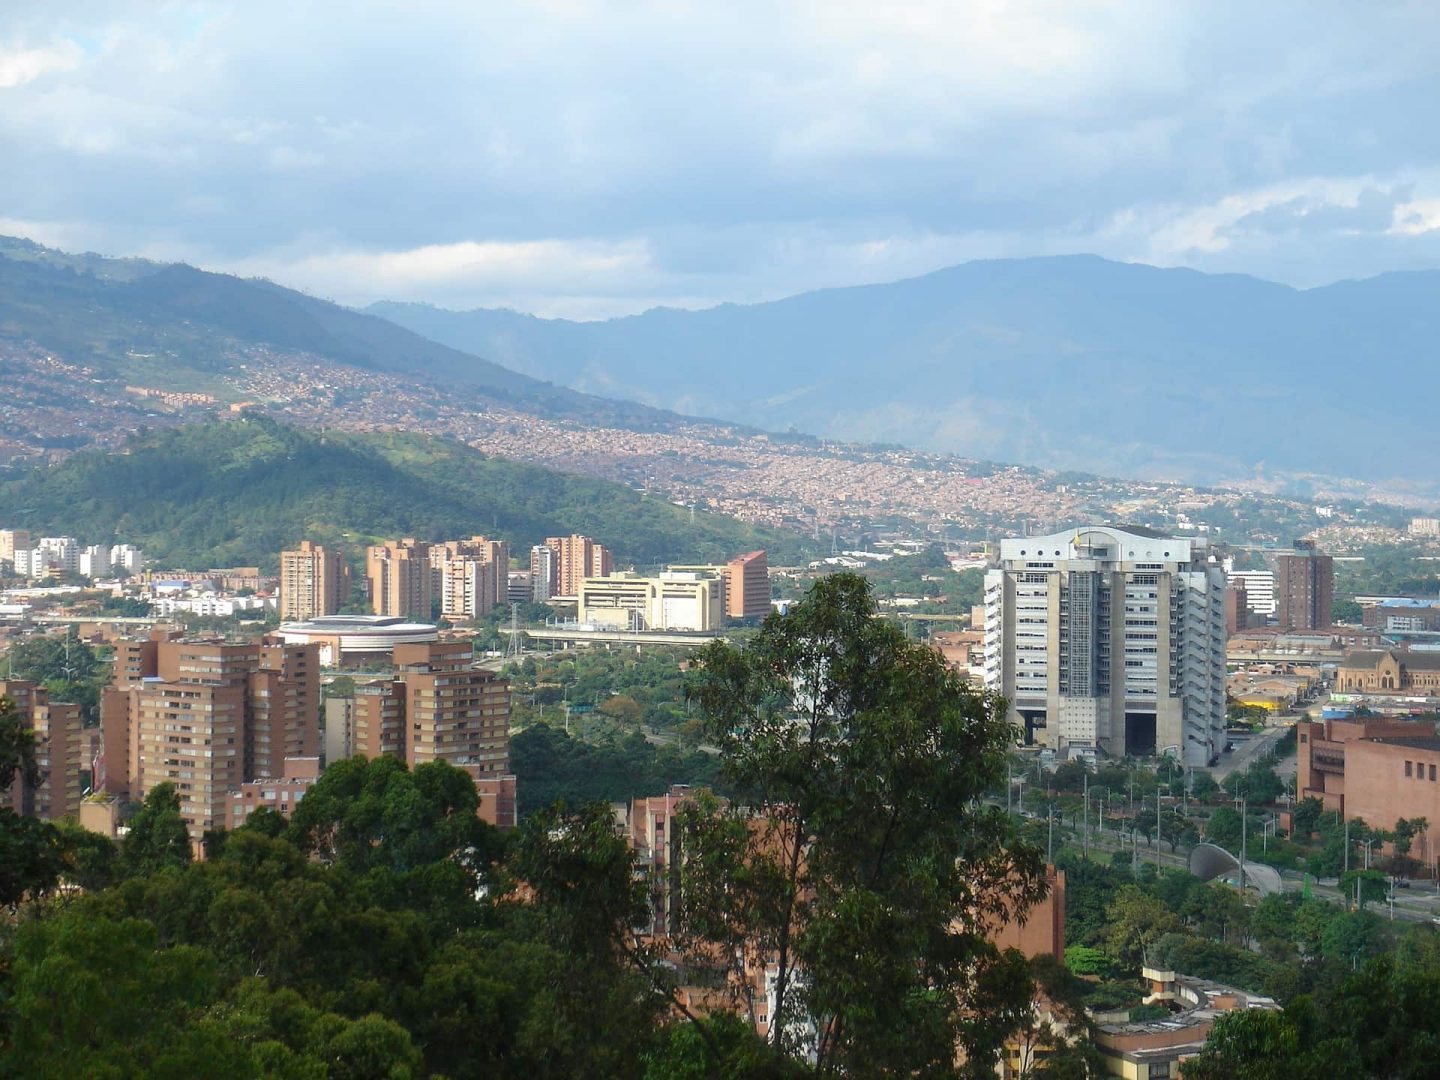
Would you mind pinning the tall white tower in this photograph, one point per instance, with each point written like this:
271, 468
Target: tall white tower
1110, 640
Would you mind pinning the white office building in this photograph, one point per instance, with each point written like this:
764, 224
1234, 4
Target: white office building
1259, 588
1110, 641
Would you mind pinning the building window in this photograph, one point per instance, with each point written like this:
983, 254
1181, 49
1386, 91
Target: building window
1432, 772
1408, 766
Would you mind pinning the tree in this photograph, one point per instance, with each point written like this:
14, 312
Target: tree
157, 837
17, 748
1203, 786
64, 665
1306, 817
29, 849
1137, 921
1223, 829
363, 814
863, 864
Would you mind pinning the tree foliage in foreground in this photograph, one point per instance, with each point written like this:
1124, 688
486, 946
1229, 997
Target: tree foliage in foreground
863, 864
385, 932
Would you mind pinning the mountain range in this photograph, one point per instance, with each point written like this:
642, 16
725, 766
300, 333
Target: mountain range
136, 319
1072, 363
1069, 362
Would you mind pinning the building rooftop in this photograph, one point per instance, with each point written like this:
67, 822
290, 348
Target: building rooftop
1419, 661
355, 624
1418, 742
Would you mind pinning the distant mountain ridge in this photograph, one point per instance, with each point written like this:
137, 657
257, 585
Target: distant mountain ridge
105, 312
1070, 362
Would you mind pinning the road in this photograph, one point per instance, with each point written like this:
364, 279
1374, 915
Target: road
1246, 752
1419, 903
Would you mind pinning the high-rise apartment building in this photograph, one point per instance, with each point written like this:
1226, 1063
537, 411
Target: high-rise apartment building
543, 562
576, 558
11, 541
206, 716
455, 712
314, 581
469, 577
1304, 588
1110, 640
747, 586
1259, 586
56, 726
399, 576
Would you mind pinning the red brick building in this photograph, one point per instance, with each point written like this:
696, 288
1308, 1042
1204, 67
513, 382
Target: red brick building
1376, 770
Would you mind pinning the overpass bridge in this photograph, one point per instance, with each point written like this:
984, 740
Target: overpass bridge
579, 636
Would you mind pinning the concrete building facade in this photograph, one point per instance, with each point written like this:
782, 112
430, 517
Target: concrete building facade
1259, 586
542, 573
675, 600
437, 707
469, 577
1110, 641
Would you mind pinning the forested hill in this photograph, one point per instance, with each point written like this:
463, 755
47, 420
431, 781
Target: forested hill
235, 492
172, 325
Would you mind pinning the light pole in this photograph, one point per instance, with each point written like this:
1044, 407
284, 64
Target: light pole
1366, 845
1020, 783
1244, 818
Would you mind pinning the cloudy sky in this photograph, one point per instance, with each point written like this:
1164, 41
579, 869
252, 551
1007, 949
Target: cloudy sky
588, 159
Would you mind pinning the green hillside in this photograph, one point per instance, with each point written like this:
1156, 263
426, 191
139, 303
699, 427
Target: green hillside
235, 492
173, 324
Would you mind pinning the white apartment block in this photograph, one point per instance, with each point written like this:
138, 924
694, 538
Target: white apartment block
1259, 589
1110, 641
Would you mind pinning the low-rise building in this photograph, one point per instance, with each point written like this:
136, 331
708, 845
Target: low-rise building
1389, 671
279, 793
1150, 1050
673, 601
1377, 770
345, 640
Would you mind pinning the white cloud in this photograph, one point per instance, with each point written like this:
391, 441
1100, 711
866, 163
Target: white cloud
19, 65
585, 157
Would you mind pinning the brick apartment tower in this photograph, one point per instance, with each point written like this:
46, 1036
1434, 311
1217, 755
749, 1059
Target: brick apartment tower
399, 576
440, 708
206, 716
314, 581
576, 558
469, 576
747, 586
57, 729
1304, 589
